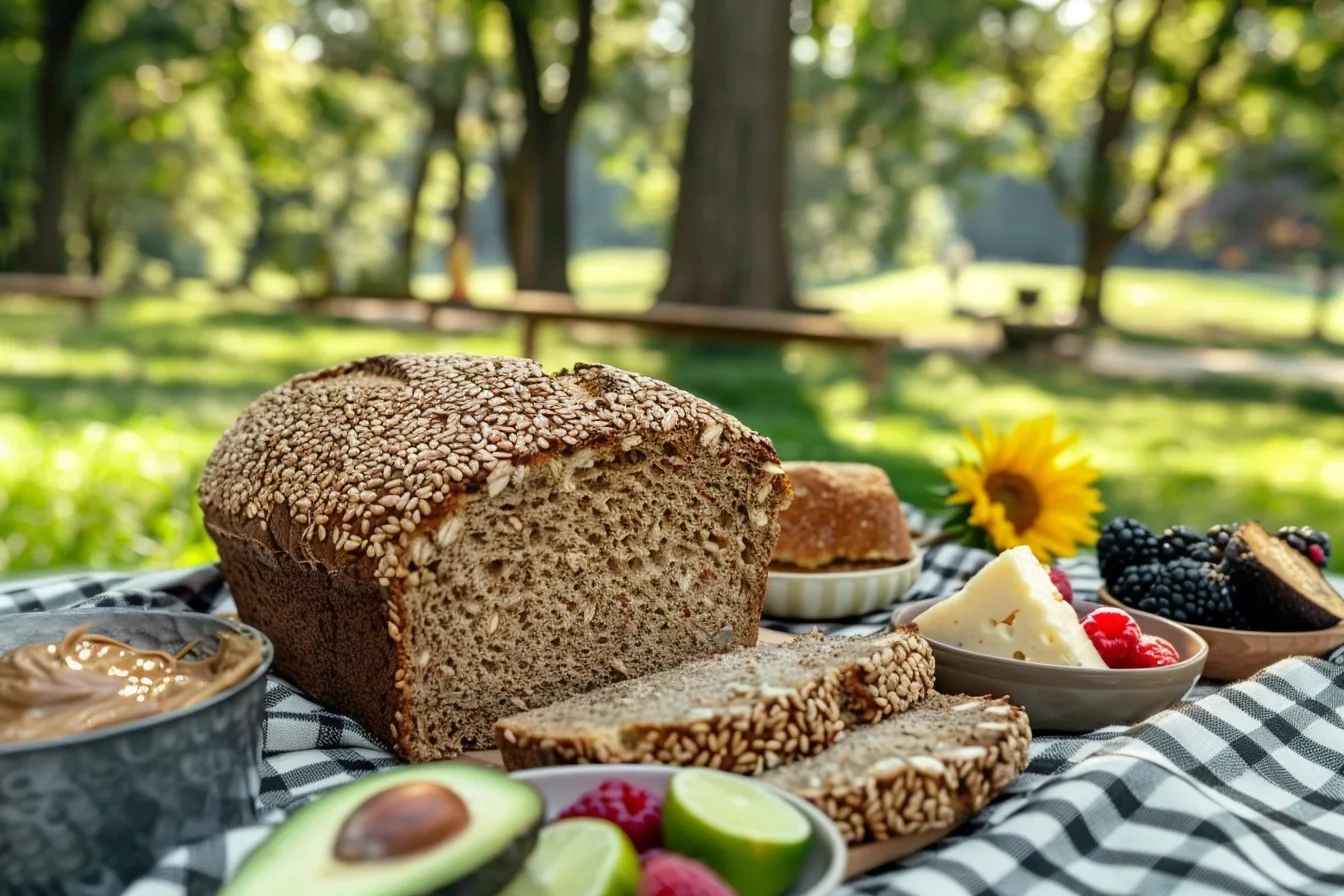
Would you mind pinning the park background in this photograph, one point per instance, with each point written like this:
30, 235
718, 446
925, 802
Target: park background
1165, 173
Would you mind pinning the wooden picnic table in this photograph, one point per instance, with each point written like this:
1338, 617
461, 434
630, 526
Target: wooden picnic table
86, 292
535, 309
701, 322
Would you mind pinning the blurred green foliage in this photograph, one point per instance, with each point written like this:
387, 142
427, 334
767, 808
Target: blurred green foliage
104, 429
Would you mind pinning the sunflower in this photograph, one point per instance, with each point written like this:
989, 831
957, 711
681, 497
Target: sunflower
1019, 492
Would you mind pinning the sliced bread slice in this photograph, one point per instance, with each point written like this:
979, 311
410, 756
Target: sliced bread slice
745, 711
922, 770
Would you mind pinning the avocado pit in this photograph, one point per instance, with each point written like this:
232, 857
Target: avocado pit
401, 821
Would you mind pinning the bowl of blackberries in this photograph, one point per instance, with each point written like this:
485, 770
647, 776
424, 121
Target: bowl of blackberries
1255, 596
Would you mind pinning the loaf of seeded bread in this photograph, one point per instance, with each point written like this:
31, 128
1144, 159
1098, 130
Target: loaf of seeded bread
922, 770
743, 712
843, 517
435, 542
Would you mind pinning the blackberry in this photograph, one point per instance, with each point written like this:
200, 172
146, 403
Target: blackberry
1124, 543
1206, 552
1184, 590
1180, 541
1302, 538
1220, 535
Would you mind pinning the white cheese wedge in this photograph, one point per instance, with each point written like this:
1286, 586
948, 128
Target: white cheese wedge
1011, 609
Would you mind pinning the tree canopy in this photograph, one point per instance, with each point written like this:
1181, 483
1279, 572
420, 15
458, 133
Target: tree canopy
347, 144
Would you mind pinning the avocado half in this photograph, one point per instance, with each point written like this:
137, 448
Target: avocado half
1280, 588
448, 829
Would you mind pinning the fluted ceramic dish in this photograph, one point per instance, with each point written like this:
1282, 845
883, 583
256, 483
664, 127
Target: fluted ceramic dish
563, 785
1070, 698
1234, 655
835, 595
87, 814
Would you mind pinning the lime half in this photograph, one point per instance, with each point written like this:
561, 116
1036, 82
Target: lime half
579, 857
756, 841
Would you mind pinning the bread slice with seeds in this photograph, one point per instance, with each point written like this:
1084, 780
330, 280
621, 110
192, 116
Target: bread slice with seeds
922, 770
743, 712
433, 542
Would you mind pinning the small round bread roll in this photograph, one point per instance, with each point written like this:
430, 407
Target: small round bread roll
843, 516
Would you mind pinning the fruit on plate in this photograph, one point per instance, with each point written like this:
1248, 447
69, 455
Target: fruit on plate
1184, 590
750, 836
446, 828
1292, 592
1234, 576
1125, 543
1011, 609
633, 809
668, 874
1060, 579
579, 857
1310, 543
1122, 645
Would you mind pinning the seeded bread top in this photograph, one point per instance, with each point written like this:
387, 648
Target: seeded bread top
941, 728
345, 466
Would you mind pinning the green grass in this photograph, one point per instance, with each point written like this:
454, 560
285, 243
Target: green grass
104, 429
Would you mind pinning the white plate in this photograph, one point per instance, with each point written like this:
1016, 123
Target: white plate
563, 785
833, 595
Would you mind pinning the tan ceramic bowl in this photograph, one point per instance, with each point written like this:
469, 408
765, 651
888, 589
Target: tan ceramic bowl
1068, 698
1234, 655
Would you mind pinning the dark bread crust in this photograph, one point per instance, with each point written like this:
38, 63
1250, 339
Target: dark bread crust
842, 516
332, 635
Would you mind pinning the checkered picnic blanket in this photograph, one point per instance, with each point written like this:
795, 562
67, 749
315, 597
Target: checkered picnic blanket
1239, 790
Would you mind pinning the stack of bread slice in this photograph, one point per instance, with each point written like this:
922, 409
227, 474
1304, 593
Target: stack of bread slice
851, 724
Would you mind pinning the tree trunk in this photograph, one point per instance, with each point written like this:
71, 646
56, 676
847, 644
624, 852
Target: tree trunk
536, 189
441, 125
728, 241
95, 228
1099, 244
1325, 289
459, 249
259, 247
57, 108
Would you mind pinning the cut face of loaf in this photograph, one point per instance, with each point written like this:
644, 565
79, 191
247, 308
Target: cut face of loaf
433, 543
743, 712
922, 770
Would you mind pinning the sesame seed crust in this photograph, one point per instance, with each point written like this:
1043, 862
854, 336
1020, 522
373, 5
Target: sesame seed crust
349, 467
879, 784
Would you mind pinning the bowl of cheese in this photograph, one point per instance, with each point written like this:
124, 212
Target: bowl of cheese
1009, 633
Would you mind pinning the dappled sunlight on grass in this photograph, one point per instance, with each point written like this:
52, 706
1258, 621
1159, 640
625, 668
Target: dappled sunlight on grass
104, 429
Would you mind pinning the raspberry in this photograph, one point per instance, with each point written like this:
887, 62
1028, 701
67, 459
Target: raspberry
1114, 633
1316, 554
645, 858
673, 875
632, 809
1152, 652
1061, 583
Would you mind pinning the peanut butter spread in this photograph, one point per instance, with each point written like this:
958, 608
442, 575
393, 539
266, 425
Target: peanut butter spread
90, 681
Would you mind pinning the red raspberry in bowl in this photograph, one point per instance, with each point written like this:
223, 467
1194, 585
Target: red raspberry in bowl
673, 875
1152, 652
1061, 582
632, 809
1114, 633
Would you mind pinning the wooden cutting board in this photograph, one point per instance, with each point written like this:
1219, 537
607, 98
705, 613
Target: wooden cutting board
862, 859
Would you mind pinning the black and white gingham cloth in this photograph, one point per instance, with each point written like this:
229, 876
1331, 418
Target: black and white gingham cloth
1240, 790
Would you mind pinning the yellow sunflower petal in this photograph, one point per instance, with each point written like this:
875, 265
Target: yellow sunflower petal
1022, 493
